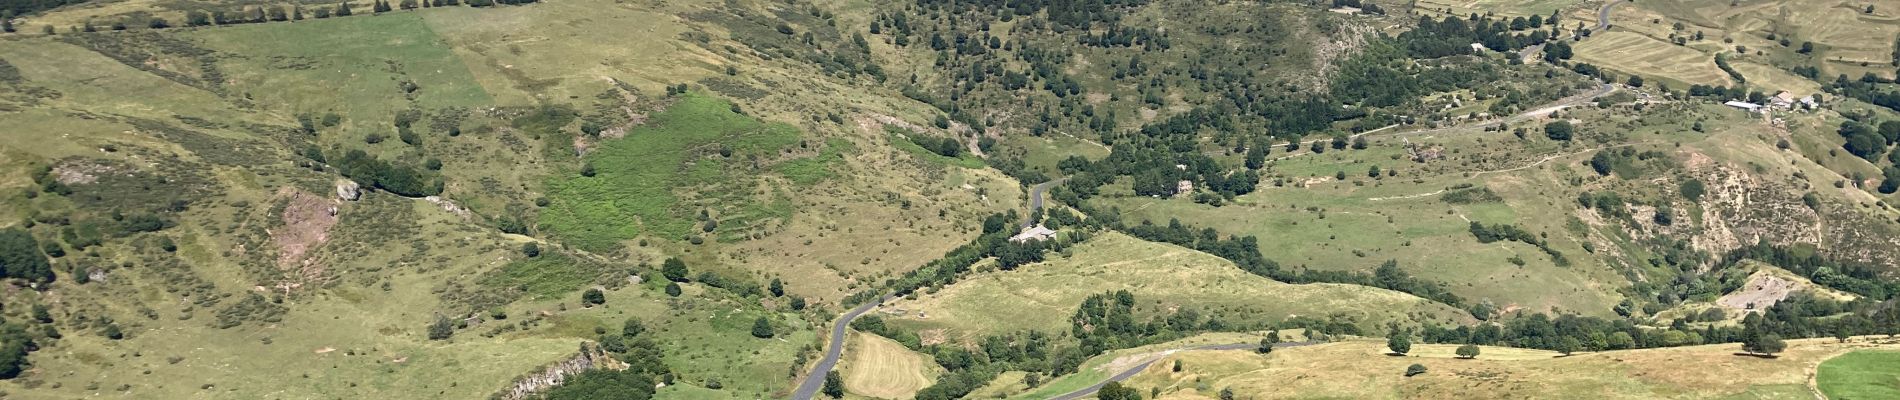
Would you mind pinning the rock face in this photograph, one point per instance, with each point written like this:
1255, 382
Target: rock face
348, 190
590, 357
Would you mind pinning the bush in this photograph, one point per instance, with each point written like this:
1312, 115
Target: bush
593, 297
1415, 369
1559, 130
1468, 351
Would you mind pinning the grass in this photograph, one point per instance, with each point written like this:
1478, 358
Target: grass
1520, 8
963, 159
1161, 275
1359, 369
1634, 53
551, 275
1864, 374
644, 179
882, 368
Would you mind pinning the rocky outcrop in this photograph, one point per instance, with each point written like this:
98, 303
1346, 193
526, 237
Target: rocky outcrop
348, 190
590, 357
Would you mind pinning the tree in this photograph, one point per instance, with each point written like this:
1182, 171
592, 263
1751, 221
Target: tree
1257, 156
674, 269
1468, 351
1177, 365
595, 384
1227, 393
1415, 369
531, 250
20, 256
1567, 345
1766, 344
1399, 343
593, 297
1266, 347
1693, 189
632, 328
441, 329
776, 287
1115, 391
762, 329
1559, 130
834, 386
343, 9
673, 289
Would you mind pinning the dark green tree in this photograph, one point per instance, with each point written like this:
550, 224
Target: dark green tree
441, 329
1559, 130
1115, 391
834, 386
593, 297
673, 289
604, 384
1468, 351
1400, 343
674, 269
762, 329
776, 287
20, 256
531, 249
1414, 370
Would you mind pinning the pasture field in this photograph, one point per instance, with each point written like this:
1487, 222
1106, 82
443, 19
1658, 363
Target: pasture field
882, 368
1861, 374
1516, 8
1162, 276
1305, 218
1633, 53
1360, 369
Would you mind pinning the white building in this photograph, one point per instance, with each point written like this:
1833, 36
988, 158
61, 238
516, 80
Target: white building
1751, 107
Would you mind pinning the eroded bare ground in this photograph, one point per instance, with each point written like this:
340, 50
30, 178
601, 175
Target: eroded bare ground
307, 220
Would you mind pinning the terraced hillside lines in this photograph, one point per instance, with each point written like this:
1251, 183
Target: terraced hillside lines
1033, 296
882, 368
1858, 375
1359, 369
1633, 53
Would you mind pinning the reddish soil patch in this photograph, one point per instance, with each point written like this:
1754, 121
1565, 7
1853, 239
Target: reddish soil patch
307, 220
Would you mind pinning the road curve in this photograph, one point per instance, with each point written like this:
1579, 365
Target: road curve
1130, 373
1603, 15
1035, 199
816, 379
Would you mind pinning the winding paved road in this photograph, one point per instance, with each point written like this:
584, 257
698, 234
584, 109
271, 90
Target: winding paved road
809, 387
835, 348
1603, 15
1130, 373
1035, 199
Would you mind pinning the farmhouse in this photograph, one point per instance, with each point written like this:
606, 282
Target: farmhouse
1037, 233
1782, 99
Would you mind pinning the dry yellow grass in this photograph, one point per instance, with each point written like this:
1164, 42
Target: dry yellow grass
1038, 296
882, 368
1358, 369
1634, 53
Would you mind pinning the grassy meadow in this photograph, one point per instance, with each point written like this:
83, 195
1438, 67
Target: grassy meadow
1164, 276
